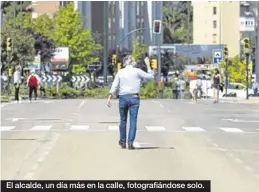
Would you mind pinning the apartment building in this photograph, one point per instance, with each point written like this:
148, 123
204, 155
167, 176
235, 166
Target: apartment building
217, 22
123, 17
227, 22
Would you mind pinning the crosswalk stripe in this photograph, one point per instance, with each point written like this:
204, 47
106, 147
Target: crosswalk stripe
41, 128
231, 130
7, 128
79, 127
113, 128
193, 129
155, 128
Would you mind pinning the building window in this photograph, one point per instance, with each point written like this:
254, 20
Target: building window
214, 24
214, 38
214, 10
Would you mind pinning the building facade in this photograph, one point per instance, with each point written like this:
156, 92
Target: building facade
123, 17
227, 22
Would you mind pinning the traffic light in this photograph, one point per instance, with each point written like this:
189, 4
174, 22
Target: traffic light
118, 66
226, 52
154, 64
10, 72
157, 27
9, 44
246, 43
114, 59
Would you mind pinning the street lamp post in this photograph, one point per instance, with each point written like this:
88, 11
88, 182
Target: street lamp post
105, 39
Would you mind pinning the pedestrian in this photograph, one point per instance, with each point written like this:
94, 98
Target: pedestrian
127, 82
199, 87
17, 80
255, 87
216, 81
182, 87
33, 83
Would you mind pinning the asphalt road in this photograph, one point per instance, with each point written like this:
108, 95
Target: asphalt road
77, 139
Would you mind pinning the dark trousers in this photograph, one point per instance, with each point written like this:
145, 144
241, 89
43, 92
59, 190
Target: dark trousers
175, 94
32, 89
255, 92
16, 92
128, 103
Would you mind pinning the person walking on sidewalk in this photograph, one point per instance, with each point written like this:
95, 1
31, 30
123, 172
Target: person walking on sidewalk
127, 81
33, 83
17, 80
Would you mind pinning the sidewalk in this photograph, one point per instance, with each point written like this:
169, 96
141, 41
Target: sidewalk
251, 100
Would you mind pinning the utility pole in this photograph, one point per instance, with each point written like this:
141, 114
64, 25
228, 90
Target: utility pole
188, 29
105, 40
247, 74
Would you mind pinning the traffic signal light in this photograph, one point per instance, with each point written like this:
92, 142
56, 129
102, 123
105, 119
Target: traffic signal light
10, 72
225, 52
246, 43
154, 64
118, 66
114, 59
157, 27
9, 44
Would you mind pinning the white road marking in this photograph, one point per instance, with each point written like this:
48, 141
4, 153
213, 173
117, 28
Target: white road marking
161, 105
231, 130
113, 128
155, 128
79, 127
29, 175
136, 144
193, 129
81, 104
241, 121
41, 128
7, 128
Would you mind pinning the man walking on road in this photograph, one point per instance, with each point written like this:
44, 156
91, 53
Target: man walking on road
33, 83
127, 82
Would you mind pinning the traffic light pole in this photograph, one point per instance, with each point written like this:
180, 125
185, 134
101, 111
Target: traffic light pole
247, 75
226, 76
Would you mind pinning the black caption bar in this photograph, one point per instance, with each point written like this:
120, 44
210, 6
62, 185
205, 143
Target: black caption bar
107, 185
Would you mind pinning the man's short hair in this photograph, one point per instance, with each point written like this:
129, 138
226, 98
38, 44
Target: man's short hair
128, 60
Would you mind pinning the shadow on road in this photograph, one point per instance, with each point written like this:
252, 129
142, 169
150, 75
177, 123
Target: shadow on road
18, 139
141, 148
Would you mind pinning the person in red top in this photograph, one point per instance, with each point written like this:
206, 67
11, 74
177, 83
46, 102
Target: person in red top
33, 83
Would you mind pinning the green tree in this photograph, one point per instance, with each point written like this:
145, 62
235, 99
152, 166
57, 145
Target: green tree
138, 50
17, 14
175, 21
236, 70
23, 48
43, 25
69, 32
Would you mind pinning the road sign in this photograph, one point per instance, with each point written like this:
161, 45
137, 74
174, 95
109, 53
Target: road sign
217, 56
82, 78
95, 66
51, 79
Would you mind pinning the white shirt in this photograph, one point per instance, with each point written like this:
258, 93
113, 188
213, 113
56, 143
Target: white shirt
128, 80
17, 77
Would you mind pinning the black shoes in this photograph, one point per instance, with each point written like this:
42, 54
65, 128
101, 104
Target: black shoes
123, 146
131, 147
